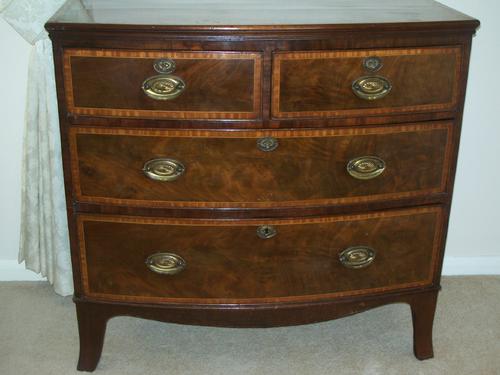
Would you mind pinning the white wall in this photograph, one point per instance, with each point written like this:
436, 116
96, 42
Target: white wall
13, 73
474, 224
476, 205
13, 77
474, 234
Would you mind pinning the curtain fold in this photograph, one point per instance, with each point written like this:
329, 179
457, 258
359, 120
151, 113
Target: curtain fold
44, 241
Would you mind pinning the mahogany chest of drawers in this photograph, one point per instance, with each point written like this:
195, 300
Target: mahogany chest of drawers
257, 166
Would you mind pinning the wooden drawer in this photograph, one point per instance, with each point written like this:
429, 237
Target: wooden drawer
227, 261
227, 169
322, 83
213, 85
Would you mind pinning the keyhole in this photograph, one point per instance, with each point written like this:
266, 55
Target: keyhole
266, 231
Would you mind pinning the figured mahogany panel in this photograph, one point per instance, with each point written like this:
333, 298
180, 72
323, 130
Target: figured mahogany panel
227, 169
218, 85
319, 83
226, 262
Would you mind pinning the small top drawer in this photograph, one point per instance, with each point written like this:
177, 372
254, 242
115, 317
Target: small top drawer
155, 84
365, 82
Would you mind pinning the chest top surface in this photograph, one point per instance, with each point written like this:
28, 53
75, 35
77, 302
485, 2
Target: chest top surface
241, 14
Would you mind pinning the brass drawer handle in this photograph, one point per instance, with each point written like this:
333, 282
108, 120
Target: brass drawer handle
266, 231
166, 263
365, 167
163, 87
163, 169
267, 144
357, 257
371, 87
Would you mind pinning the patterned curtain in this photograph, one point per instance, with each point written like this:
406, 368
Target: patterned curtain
44, 243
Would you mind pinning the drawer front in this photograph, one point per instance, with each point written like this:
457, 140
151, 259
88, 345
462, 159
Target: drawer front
235, 169
365, 82
233, 262
178, 85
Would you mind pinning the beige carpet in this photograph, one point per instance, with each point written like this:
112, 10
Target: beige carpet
38, 335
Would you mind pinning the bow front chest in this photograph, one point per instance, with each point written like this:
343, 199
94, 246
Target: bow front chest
258, 164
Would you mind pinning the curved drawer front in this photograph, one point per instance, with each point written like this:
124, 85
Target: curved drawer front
196, 261
179, 85
365, 82
167, 168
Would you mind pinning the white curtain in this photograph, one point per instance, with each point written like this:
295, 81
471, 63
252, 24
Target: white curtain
44, 243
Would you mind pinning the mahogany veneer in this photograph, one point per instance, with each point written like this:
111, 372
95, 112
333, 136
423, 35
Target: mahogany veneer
318, 83
227, 265
107, 83
309, 159
308, 167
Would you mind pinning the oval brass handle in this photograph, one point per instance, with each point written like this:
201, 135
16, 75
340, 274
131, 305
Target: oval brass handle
163, 169
365, 167
266, 231
267, 144
357, 256
166, 263
163, 87
371, 87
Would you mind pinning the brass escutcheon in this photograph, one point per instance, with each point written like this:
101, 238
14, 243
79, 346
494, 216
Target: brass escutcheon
163, 87
357, 257
372, 63
266, 231
371, 88
267, 144
365, 167
163, 169
165, 263
164, 66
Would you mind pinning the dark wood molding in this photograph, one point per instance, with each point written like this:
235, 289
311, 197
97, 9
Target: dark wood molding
95, 314
263, 31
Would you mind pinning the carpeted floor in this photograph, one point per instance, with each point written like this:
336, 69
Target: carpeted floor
38, 335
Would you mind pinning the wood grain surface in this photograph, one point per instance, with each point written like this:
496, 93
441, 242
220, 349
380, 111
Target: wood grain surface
218, 84
283, 14
226, 169
318, 83
228, 263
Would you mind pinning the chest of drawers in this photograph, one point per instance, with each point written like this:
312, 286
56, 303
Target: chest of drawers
293, 167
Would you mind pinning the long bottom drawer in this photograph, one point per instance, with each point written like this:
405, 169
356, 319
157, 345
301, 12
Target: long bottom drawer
254, 261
